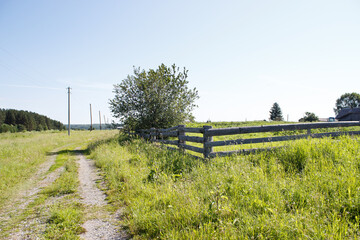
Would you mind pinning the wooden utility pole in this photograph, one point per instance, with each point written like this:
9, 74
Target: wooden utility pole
90, 118
68, 110
100, 119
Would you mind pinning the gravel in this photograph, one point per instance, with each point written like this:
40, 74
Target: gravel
104, 226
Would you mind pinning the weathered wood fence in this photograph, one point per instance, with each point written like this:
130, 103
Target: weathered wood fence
179, 133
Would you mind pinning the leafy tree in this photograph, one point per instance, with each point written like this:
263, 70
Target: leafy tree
347, 100
7, 128
309, 117
275, 113
157, 98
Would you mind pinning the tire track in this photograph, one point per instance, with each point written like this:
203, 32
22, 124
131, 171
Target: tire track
11, 213
102, 224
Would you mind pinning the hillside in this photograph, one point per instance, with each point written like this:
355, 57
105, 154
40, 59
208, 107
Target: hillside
12, 120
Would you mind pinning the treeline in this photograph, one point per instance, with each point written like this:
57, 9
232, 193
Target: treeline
12, 120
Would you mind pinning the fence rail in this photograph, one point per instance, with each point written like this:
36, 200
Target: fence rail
179, 132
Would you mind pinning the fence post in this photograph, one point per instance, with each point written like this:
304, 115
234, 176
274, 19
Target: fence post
207, 150
152, 134
309, 132
180, 132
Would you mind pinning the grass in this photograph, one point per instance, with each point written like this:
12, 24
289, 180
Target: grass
21, 154
66, 215
251, 135
307, 190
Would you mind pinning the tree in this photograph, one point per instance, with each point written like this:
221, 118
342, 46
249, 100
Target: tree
309, 117
10, 118
275, 113
347, 100
157, 98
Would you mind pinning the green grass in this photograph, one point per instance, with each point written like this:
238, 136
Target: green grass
65, 222
252, 135
21, 154
307, 190
66, 215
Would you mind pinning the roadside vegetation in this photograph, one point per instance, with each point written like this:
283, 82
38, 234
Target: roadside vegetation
22, 153
309, 189
65, 215
63, 212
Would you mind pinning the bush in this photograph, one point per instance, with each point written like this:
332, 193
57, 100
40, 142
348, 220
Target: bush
7, 128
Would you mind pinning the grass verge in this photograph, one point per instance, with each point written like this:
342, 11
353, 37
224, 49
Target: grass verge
309, 189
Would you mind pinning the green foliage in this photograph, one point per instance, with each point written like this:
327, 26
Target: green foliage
308, 189
275, 113
64, 223
347, 100
309, 117
22, 153
157, 98
26, 121
66, 183
7, 128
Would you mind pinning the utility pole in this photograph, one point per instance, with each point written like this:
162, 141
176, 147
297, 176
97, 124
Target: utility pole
90, 118
100, 119
68, 110
105, 121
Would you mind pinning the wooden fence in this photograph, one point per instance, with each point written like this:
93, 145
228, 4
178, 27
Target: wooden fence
179, 133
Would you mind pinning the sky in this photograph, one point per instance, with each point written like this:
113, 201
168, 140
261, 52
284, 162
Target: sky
242, 56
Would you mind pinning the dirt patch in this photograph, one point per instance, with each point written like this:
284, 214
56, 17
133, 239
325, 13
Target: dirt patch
103, 224
12, 212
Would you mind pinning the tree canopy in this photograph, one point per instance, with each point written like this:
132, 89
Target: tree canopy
157, 98
309, 117
12, 120
347, 100
275, 113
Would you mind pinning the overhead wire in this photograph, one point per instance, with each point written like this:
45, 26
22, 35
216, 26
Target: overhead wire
23, 75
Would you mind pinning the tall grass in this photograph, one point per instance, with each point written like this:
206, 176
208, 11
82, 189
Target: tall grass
309, 189
22, 153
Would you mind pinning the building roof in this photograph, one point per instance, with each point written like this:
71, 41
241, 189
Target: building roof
347, 111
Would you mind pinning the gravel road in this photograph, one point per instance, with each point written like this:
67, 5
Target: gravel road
103, 225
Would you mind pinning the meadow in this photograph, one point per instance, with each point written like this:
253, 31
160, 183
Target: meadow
237, 147
22, 153
56, 207
307, 190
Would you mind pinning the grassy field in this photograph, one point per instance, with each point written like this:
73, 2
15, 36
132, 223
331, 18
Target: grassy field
250, 135
22, 153
308, 190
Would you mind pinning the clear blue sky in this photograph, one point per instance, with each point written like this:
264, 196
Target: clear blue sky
242, 56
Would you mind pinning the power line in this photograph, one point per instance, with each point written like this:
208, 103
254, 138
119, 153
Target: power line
29, 86
22, 61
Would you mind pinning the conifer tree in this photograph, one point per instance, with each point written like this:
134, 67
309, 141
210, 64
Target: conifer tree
275, 113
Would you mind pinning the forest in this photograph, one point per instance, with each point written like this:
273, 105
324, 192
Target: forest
12, 120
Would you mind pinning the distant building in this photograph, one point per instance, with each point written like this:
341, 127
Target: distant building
329, 119
349, 114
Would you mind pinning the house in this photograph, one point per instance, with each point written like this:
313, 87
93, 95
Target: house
349, 114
